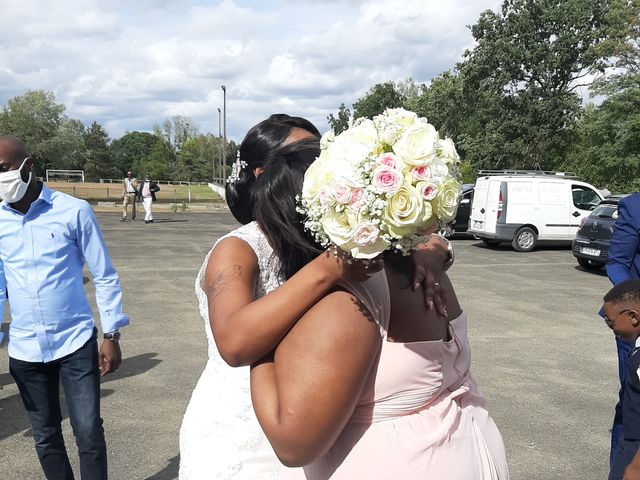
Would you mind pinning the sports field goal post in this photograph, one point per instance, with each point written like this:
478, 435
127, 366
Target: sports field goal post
54, 174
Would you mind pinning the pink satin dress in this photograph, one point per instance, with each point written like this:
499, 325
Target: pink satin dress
420, 416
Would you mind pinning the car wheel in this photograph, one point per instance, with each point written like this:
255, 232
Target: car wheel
524, 240
590, 264
490, 243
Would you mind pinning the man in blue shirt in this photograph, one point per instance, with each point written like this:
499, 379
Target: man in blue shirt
45, 239
623, 263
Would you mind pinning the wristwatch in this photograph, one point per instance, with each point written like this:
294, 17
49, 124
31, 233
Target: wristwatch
113, 336
450, 257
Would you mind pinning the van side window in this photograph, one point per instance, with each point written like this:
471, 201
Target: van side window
584, 198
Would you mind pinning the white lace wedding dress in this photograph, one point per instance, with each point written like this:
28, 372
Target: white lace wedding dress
220, 437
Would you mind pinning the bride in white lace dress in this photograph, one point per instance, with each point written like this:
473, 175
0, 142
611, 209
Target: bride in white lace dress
220, 437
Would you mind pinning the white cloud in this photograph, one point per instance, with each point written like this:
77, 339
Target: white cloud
129, 65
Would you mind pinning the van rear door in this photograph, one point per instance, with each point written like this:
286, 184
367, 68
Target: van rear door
485, 206
479, 205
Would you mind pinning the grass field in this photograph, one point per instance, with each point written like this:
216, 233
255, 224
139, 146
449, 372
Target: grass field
112, 192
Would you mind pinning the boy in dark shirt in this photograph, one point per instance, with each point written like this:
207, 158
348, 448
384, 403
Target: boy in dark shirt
622, 315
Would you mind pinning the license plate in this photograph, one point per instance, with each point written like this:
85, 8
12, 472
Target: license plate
590, 251
477, 225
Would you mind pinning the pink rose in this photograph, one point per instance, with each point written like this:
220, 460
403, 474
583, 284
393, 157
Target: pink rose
386, 179
341, 192
325, 197
421, 173
388, 159
366, 234
428, 190
356, 197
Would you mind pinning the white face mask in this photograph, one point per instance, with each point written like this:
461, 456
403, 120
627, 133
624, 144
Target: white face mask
12, 187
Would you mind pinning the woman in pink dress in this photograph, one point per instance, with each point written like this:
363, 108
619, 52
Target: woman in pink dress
365, 387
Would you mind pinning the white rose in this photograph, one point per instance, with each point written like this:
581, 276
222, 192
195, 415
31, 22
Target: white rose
417, 145
447, 200
316, 177
401, 116
351, 148
326, 139
339, 227
392, 124
405, 212
447, 151
439, 171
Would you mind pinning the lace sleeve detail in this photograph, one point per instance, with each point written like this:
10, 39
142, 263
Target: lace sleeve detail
269, 277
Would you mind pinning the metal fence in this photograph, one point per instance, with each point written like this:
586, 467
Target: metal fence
172, 193
160, 182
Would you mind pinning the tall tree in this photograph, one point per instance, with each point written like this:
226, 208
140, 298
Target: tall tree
607, 148
196, 158
99, 163
380, 97
340, 122
520, 80
131, 150
36, 118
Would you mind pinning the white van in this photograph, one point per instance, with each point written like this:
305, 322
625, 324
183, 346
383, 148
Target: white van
525, 207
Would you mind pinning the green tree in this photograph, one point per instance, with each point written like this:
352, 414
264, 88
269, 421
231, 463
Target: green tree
340, 122
64, 150
196, 159
36, 118
130, 151
520, 81
607, 147
159, 163
442, 104
99, 163
380, 97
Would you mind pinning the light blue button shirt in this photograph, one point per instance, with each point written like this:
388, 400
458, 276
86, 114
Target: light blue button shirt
42, 255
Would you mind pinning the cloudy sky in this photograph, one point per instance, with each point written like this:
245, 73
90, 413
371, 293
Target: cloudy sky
131, 64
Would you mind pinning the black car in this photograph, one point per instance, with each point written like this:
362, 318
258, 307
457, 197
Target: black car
460, 224
591, 245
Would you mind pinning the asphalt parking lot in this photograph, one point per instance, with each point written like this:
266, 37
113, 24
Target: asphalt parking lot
545, 362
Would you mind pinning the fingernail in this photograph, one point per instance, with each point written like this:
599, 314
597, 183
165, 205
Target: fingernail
430, 304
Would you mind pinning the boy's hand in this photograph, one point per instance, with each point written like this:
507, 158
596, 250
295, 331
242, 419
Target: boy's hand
632, 472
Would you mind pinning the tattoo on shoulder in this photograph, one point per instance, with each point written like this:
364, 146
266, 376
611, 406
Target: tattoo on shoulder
222, 281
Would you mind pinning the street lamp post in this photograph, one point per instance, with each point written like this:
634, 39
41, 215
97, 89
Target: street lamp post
219, 138
224, 135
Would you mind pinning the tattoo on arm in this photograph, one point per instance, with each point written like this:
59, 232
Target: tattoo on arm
222, 281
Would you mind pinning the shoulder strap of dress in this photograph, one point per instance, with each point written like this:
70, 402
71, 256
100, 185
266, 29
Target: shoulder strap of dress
251, 234
374, 294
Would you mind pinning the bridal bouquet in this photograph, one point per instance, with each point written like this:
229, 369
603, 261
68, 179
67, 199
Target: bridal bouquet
379, 183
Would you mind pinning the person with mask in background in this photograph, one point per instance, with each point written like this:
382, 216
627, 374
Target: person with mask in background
147, 193
45, 240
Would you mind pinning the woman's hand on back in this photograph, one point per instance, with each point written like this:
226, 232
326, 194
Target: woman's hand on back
428, 262
344, 268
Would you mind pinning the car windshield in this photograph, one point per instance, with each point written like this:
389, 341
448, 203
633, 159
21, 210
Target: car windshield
605, 211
